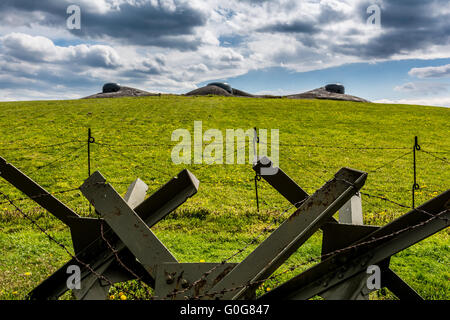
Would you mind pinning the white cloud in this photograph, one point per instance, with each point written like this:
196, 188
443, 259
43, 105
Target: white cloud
41, 49
124, 44
431, 72
30, 94
423, 88
437, 102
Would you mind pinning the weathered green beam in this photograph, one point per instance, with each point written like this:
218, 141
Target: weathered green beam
393, 239
400, 288
281, 182
153, 209
36, 192
289, 236
128, 226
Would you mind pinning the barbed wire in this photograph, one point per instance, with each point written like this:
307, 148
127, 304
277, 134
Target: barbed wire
134, 160
280, 214
42, 146
161, 144
245, 247
353, 147
62, 159
116, 255
253, 241
385, 198
41, 195
390, 162
61, 245
321, 257
52, 239
436, 157
164, 144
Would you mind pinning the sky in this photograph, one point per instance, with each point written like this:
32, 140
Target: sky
260, 46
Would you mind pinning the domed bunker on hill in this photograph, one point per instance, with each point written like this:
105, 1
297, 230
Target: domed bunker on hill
111, 87
335, 88
115, 90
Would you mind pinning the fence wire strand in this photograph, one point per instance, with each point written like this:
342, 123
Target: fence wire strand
280, 212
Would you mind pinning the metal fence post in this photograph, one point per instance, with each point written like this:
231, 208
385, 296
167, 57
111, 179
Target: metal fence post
255, 160
89, 141
351, 211
415, 185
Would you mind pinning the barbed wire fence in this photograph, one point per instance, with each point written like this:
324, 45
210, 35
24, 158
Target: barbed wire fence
75, 152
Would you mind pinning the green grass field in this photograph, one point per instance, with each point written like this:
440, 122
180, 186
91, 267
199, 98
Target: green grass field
133, 139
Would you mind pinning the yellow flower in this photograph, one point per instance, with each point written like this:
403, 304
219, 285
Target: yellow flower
123, 297
202, 260
111, 297
121, 293
267, 289
27, 274
15, 292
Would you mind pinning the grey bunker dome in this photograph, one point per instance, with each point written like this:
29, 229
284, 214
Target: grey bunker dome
335, 88
111, 87
225, 86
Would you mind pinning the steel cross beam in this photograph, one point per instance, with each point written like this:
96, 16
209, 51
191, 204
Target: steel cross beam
38, 194
157, 260
87, 240
96, 254
93, 288
178, 281
338, 236
281, 182
127, 225
372, 249
290, 235
347, 290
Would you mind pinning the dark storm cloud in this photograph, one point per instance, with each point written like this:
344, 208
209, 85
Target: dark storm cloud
148, 68
53, 7
140, 24
13, 77
291, 27
302, 39
145, 25
406, 26
329, 15
25, 12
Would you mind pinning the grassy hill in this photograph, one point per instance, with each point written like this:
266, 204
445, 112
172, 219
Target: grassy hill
133, 139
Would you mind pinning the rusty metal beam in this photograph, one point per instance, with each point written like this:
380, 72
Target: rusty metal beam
93, 288
285, 240
127, 225
400, 288
339, 236
136, 193
36, 193
153, 209
281, 182
173, 277
398, 235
